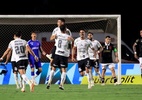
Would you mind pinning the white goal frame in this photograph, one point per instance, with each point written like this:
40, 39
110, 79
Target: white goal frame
25, 17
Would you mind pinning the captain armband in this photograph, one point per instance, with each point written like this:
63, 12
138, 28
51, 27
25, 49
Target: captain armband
115, 50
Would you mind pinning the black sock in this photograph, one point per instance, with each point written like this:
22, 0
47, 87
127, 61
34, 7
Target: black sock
103, 80
115, 79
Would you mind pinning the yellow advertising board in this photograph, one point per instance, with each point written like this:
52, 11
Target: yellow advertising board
125, 79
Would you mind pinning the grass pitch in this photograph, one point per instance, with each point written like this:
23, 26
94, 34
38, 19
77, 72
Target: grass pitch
73, 92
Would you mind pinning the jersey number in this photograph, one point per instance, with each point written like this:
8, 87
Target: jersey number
19, 49
59, 43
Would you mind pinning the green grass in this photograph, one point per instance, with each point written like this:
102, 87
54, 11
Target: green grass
73, 92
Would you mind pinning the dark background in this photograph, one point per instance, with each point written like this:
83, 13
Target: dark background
130, 11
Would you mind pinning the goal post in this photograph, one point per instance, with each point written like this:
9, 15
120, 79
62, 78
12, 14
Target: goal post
106, 23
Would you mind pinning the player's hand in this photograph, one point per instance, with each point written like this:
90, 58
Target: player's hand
36, 59
1, 59
95, 59
43, 53
73, 59
116, 59
135, 55
5, 63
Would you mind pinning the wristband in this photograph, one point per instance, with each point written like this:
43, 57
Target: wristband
135, 52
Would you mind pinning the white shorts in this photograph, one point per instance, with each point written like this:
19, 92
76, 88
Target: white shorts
109, 65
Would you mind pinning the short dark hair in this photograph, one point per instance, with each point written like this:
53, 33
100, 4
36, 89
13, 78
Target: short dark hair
108, 36
90, 33
82, 30
18, 33
63, 27
36, 32
62, 19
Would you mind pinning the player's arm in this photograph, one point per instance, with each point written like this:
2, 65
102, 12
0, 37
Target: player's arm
31, 52
42, 51
5, 53
73, 53
116, 54
134, 49
8, 56
100, 47
53, 37
70, 38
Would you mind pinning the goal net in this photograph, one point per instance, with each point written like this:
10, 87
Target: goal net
100, 25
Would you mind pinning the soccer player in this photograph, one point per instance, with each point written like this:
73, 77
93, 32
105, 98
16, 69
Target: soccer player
60, 21
35, 45
61, 55
15, 70
138, 51
19, 47
94, 62
107, 60
82, 44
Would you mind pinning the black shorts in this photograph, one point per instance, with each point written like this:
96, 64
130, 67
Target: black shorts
22, 64
94, 64
60, 61
53, 52
14, 66
82, 64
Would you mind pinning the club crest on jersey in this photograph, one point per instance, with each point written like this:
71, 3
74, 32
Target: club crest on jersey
110, 47
31, 43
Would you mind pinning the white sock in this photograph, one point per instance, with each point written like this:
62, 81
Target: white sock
16, 79
33, 78
91, 74
89, 77
99, 74
21, 81
51, 76
63, 78
23, 84
25, 78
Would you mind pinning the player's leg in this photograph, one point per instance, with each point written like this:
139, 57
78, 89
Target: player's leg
97, 69
112, 68
51, 61
91, 68
140, 62
32, 66
63, 65
55, 65
103, 73
21, 68
39, 70
88, 73
15, 73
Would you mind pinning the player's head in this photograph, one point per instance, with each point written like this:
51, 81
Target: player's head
60, 21
82, 33
33, 35
141, 33
63, 28
17, 34
107, 39
90, 35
